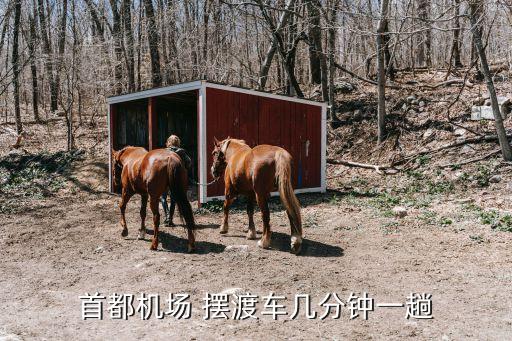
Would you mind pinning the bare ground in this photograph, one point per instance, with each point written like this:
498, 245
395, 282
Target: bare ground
70, 244
454, 243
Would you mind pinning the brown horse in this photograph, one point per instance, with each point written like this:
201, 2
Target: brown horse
254, 172
150, 174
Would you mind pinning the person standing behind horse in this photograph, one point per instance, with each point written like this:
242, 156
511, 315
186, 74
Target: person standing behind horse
173, 144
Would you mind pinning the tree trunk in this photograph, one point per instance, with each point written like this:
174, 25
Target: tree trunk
31, 38
456, 37
381, 69
61, 43
265, 67
315, 43
289, 69
128, 33
15, 65
424, 52
47, 50
118, 47
331, 49
156, 76
477, 38
206, 18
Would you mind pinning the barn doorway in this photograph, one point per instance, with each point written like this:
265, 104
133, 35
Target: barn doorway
177, 114
131, 122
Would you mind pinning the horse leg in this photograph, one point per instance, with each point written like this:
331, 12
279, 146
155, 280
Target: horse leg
296, 236
163, 200
143, 209
251, 233
125, 197
227, 202
265, 212
171, 212
153, 204
191, 241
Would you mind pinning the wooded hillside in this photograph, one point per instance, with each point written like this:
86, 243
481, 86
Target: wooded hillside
64, 57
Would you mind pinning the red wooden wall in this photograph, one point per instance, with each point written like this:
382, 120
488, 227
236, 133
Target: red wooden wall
296, 127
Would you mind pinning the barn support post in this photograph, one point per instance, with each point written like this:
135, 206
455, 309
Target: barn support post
111, 117
152, 123
323, 167
203, 146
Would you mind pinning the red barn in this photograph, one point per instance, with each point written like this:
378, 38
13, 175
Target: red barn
199, 111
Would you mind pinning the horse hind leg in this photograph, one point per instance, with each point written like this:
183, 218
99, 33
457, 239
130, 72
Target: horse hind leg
296, 238
264, 242
225, 225
125, 197
251, 233
153, 204
143, 211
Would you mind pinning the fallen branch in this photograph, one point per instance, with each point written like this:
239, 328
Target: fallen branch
448, 83
486, 138
476, 159
364, 79
383, 170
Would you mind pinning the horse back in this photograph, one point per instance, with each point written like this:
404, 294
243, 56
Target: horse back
253, 169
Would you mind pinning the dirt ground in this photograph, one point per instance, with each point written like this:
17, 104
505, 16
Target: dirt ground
60, 237
71, 244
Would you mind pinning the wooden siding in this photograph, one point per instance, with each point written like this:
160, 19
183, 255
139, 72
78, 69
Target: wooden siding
295, 127
131, 124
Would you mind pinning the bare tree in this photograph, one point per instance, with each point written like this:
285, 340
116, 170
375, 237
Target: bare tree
456, 36
381, 67
479, 46
48, 54
288, 57
425, 43
269, 56
31, 39
15, 65
118, 46
156, 76
129, 45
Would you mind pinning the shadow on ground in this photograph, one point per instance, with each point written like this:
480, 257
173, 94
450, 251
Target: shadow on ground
310, 248
308, 199
172, 243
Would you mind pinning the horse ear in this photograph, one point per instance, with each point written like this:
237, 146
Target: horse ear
215, 141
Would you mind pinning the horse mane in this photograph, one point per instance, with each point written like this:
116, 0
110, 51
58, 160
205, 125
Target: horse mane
230, 140
236, 140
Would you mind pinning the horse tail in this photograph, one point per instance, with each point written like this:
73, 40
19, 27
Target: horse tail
283, 161
178, 188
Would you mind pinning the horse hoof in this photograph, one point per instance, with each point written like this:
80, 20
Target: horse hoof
124, 233
251, 234
296, 245
191, 249
296, 248
263, 244
153, 247
170, 224
223, 230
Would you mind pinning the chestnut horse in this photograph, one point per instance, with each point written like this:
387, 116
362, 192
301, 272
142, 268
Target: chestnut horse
150, 174
254, 172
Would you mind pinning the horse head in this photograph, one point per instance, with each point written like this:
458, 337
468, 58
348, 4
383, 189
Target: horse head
219, 157
117, 166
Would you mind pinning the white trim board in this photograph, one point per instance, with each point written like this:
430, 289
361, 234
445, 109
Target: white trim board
264, 94
323, 150
195, 85
275, 194
110, 187
202, 167
166, 90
